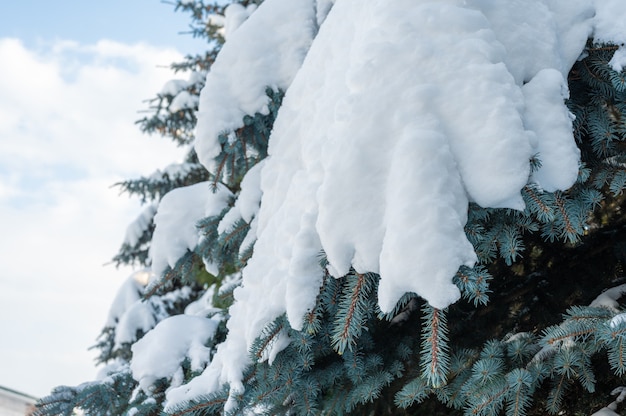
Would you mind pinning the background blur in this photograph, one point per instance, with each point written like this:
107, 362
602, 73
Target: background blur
73, 77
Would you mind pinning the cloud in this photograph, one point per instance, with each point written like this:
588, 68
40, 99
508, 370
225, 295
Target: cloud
67, 133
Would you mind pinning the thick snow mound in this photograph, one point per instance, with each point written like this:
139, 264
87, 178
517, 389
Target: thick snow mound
401, 114
551, 123
175, 221
127, 295
609, 22
177, 338
265, 52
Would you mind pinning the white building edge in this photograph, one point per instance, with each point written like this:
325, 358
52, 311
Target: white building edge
14, 403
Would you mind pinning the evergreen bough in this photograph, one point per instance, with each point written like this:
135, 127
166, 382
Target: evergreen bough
489, 354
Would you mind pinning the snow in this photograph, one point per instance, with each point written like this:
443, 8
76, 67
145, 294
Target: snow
183, 100
178, 89
609, 22
323, 8
609, 29
229, 283
172, 171
574, 25
141, 317
618, 61
551, 121
128, 294
246, 206
281, 342
173, 87
605, 411
116, 365
609, 298
130, 313
203, 306
249, 200
265, 52
610, 410
234, 15
553, 32
161, 352
617, 320
197, 77
137, 228
175, 221
383, 140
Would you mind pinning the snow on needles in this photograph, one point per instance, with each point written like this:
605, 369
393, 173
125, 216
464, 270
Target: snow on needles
400, 114
137, 228
176, 338
175, 229
266, 51
128, 294
610, 29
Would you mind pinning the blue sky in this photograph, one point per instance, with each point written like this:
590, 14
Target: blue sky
73, 76
126, 21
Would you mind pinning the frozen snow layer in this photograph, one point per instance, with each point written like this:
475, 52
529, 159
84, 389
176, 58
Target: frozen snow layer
140, 316
128, 294
573, 25
266, 51
538, 34
401, 113
183, 100
618, 61
246, 207
610, 28
161, 352
551, 122
175, 221
609, 298
382, 148
610, 21
234, 15
137, 228
174, 86
248, 201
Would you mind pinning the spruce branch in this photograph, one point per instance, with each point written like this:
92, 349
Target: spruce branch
435, 357
555, 396
413, 392
520, 382
615, 336
473, 284
268, 336
536, 204
353, 311
200, 408
568, 227
490, 404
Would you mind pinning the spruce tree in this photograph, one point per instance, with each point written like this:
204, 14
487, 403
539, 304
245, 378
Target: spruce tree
539, 268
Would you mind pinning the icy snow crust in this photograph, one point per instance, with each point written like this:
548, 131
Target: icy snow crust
399, 116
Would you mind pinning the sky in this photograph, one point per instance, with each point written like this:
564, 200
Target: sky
73, 77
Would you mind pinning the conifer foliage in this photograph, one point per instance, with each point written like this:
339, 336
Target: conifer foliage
524, 326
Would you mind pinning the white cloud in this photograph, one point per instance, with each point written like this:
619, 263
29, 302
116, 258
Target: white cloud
67, 133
